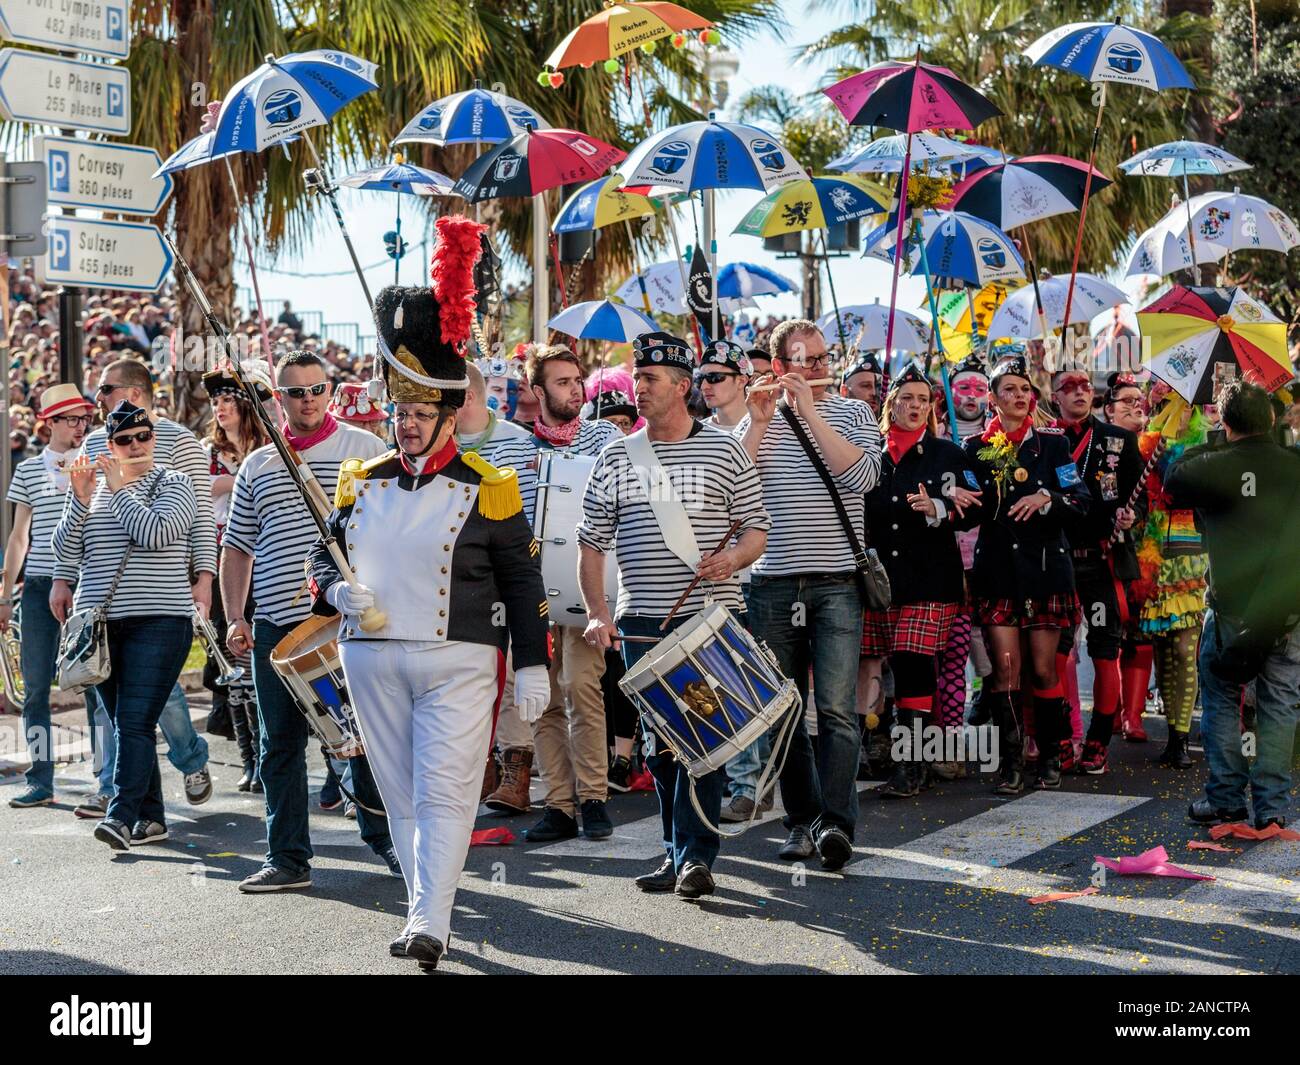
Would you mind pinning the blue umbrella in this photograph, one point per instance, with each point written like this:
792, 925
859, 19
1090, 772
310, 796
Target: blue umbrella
957, 245
475, 116
602, 320
288, 95
740, 280
192, 153
400, 177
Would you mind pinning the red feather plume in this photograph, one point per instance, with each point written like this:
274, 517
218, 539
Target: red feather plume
454, 257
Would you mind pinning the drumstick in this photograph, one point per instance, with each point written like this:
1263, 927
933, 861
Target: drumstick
696, 579
775, 385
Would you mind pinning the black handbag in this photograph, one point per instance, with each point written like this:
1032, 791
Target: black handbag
872, 580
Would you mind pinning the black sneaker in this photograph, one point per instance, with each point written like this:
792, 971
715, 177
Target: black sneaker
798, 845
269, 878
834, 846
662, 879
595, 820
619, 773
390, 859
1204, 813
554, 825
114, 833
1279, 821
148, 832
696, 880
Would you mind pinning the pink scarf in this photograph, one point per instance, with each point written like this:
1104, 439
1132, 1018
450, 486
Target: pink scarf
302, 443
557, 435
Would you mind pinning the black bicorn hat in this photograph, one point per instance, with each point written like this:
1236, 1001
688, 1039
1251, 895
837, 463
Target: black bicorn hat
126, 415
727, 353
611, 402
867, 363
222, 383
1009, 365
972, 363
662, 349
910, 375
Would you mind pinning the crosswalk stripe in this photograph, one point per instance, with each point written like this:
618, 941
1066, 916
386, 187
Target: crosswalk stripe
1263, 879
977, 847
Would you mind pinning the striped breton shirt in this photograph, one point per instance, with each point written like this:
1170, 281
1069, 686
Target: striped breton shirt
509, 445
806, 536
591, 438
89, 543
176, 448
270, 523
717, 484
40, 483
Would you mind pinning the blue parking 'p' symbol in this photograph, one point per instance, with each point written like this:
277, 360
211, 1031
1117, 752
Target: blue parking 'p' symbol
59, 171
114, 24
116, 101
60, 249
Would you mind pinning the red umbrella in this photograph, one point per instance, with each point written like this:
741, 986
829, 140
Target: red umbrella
534, 161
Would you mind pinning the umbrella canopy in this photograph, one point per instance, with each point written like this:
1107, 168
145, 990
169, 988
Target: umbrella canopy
602, 320
711, 155
1027, 189
195, 152
477, 115
742, 280
872, 321
620, 28
885, 155
663, 283
535, 161
1239, 222
400, 177
601, 203
285, 96
1164, 248
1181, 159
1191, 332
909, 97
1110, 51
813, 203
957, 245
1018, 317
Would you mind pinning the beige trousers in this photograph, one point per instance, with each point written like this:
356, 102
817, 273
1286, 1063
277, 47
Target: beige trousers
569, 738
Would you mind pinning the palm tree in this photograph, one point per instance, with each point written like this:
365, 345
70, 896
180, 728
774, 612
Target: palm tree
1043, 110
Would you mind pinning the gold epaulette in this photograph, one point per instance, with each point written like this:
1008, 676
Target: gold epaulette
498, 492
345, 492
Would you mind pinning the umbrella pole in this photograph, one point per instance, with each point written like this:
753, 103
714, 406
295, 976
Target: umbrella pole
830, 284
938, 337
252, 269
397, 259
321, 184
898, 250
711, 247
1083, 214
1191, 237
541, 286
636, 263
1038, 295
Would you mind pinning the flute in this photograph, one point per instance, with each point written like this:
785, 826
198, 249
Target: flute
121, 462
776, 384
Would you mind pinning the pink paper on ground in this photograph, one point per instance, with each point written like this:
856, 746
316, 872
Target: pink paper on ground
1061, 896
1154, 862
491, 837
1201, 845
1241, 830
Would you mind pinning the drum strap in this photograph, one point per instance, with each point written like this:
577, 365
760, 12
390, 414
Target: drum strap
669, 511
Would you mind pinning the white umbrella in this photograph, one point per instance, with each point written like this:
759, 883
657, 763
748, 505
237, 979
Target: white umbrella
1018, 316
872, 320
1164, 248
1241, 223
663, 286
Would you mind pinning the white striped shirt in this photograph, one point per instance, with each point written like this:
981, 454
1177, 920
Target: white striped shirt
35, 485
176, 448
510, 445
591, 439
270, 523
717, 484
89, 543
806, 535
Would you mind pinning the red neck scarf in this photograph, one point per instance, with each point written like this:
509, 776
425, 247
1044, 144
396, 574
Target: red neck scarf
302, 443
430, 463
557, 435
995, 426
900, 441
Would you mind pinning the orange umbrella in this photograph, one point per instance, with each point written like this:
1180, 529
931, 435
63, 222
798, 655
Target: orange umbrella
622, 27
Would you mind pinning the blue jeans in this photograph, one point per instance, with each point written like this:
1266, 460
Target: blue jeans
147, 654
686, 837
38, 658
1277, 710
186, 749
284, 766
816, 621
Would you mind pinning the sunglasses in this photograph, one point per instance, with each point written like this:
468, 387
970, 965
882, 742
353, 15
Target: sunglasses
717, 378
300, 392
127, 439
107, 389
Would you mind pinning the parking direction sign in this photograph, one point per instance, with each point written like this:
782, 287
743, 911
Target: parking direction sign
93, 253
109, 177
97, 28
53, 91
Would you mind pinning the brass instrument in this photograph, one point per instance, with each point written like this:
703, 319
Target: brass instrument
230, 673
11, 660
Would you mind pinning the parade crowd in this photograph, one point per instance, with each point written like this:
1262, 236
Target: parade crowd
912, 562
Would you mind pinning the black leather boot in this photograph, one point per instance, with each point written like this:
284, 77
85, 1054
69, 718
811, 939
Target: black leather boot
1005, 709
902, 783
243, 714
1175, 753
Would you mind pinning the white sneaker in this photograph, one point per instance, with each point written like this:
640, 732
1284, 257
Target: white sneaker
198, 787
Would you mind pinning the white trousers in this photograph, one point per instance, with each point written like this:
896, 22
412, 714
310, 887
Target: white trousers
425, 711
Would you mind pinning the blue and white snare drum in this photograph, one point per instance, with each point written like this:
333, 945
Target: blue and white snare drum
709, 689
308, 663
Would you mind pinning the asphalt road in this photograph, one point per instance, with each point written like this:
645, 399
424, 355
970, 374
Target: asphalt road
939, 885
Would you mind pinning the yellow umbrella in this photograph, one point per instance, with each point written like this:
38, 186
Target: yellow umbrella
814, 203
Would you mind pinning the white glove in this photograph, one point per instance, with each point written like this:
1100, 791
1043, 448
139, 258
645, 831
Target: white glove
346, 599
532, 692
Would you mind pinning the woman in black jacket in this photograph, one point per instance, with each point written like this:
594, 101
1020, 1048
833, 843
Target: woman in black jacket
925, 494
1023, 580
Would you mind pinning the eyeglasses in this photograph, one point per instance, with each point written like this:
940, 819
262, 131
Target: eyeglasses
127, 439
300, 392
418, 416
1137, 402
814, 363
73, 419
716, 378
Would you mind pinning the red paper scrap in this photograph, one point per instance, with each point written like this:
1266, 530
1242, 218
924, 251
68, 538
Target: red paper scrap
1061, 896
491, 837
1154, 862
1241, 830
1201, 845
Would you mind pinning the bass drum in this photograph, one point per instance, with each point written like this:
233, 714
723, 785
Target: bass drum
561, 482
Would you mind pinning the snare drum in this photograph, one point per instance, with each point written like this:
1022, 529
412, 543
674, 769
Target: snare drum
308, 663
709, 689
561, 482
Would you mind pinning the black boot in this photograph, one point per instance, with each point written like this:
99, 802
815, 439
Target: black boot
1005, 710
980, 712
1050, 728
1175, 753
902, 783
243, 739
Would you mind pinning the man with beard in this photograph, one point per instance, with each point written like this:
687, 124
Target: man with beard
862, 382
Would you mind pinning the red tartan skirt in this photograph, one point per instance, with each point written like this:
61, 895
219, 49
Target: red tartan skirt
921, 628
1060, 611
